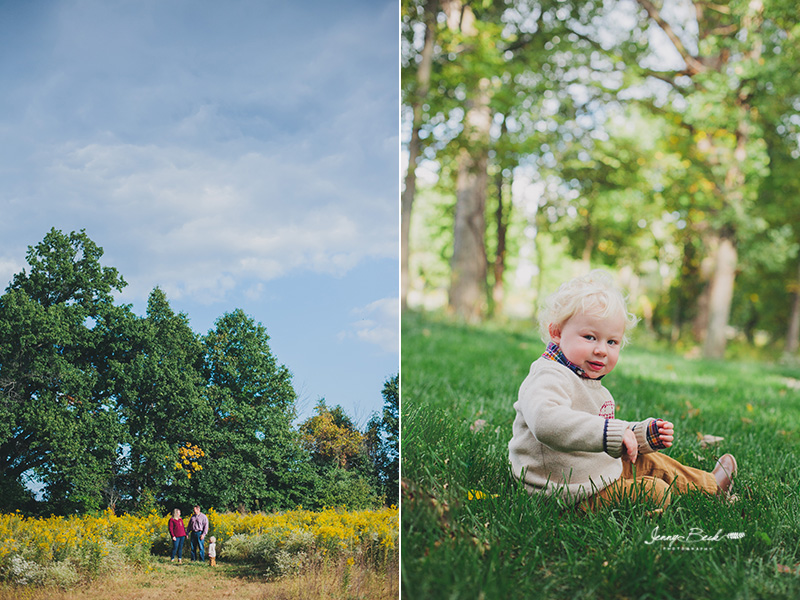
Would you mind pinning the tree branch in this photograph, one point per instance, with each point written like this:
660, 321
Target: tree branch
693, 65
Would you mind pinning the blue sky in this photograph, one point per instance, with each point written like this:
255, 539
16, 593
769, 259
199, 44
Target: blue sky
238, 154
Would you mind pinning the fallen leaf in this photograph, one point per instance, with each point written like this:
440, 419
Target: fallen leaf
708, 440
477, 425
791, 383
786, 569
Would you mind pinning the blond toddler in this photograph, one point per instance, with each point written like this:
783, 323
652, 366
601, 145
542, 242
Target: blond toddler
212, 551
566, 438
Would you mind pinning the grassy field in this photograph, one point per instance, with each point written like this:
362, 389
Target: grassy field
337, 580
469, 532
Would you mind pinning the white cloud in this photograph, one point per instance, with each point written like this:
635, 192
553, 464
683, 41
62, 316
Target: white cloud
8, 268
191, 218
200, 161
379, 324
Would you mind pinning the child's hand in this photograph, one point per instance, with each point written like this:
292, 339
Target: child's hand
666, 432
630, 447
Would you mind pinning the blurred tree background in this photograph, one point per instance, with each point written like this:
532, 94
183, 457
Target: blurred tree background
657, 138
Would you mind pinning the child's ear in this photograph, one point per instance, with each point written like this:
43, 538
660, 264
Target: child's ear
555, 332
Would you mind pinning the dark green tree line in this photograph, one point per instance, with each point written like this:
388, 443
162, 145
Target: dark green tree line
100, 407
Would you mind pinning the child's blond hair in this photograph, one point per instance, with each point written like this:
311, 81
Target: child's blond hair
594, 294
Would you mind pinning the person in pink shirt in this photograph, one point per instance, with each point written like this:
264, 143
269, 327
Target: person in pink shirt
178, 533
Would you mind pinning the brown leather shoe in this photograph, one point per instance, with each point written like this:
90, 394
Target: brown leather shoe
723, 472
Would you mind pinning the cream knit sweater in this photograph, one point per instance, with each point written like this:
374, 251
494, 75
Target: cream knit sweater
565, 439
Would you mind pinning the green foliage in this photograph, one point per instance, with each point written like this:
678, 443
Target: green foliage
343, 488
346, 474
331, 437
107, 409
278, 553
160, 395
382, 437
65, 269
251, 447
469, 530
57, 422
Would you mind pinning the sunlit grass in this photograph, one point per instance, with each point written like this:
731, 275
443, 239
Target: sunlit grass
459, 384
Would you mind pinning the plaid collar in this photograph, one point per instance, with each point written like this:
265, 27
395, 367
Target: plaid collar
554, 353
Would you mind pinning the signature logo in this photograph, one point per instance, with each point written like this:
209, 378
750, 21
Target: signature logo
695, 539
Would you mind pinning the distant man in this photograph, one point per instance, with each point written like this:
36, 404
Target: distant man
198, 530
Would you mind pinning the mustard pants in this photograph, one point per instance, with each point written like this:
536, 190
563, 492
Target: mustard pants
653, 477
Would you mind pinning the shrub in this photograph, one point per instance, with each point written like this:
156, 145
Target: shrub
278, 553
61, 574
23, 572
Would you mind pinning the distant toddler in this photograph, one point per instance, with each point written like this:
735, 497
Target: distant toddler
566, 439
212, 550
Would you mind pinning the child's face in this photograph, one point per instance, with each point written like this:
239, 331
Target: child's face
591, 342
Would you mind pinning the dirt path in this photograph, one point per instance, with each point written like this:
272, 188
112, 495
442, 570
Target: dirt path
165, 582
169, 581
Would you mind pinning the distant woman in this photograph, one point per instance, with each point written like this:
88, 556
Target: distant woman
178, 533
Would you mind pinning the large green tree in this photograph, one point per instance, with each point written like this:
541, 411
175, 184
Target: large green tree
707, 175
253, 455
416, 94
57, 423
160, 393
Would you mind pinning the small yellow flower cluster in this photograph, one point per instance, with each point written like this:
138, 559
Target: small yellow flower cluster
188, 456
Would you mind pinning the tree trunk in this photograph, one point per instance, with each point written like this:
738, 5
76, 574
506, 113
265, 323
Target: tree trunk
703, 307
720, 297
721, 290
468, 265
501, 222
793, 334
406, 203
410, 189
589, 242
467, 295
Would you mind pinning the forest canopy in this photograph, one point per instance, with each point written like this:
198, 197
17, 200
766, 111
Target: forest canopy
102, 408
658, 139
